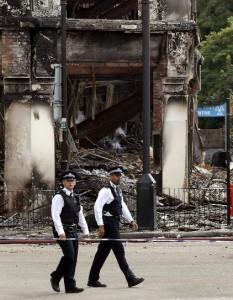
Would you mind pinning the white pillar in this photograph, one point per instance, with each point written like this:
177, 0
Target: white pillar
29, 147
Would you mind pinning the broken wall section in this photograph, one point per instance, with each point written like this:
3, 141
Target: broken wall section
27, 8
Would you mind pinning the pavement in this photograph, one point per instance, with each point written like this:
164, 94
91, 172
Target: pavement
175, 270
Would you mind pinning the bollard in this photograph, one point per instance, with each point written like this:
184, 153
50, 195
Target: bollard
146, 203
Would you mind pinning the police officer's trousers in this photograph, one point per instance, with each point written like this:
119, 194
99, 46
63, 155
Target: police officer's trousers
67, 265
111, 226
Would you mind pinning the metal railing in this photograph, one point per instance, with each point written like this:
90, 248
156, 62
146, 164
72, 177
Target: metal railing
21, 210
192, 209
176, 209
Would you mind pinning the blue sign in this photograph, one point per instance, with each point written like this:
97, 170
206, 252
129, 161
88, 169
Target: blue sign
212, 111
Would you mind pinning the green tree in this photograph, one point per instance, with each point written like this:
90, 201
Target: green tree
213, 15
217, 71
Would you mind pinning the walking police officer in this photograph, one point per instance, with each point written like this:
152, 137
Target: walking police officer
108, 208
67, 214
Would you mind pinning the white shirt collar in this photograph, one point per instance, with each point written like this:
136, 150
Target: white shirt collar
113, 185
68, 192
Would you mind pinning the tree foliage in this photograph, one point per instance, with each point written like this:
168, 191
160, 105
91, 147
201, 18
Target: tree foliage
213, 15
217, 71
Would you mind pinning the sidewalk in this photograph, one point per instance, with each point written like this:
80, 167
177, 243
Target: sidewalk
187, 270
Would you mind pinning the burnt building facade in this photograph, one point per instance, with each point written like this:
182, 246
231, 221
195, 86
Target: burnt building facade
104, 67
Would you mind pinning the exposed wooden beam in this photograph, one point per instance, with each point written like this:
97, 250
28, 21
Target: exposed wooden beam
108, 120
129, 26
121, 88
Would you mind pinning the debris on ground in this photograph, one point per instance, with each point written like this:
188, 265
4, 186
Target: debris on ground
204, 208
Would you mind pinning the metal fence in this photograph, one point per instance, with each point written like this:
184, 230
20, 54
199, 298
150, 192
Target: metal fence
192, 209
176, 209
25, 210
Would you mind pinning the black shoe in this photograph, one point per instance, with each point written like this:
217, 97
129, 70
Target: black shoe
74, 290
96, 284
135, 281
54, 284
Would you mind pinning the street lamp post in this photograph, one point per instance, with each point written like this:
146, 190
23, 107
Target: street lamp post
146, 184
64, 148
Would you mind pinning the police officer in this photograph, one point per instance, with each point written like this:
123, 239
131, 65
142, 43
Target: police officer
67, 214
108, 208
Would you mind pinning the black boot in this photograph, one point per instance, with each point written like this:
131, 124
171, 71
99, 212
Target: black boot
74, 290
54, 284
134, 281
96, 284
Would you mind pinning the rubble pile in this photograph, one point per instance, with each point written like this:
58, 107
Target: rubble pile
205, 203
205, 206
92, 167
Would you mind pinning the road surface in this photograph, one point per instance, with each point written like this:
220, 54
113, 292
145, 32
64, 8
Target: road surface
177, 270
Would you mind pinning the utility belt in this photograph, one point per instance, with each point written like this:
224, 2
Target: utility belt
70, 228
118, 218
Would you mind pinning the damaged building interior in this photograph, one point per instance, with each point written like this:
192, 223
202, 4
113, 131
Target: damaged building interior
104, 77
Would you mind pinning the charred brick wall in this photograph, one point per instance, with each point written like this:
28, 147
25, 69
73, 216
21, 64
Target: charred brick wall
15, 53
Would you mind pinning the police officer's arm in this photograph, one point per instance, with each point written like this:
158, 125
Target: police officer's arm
56, 208
127, 215
82, 222
103, 197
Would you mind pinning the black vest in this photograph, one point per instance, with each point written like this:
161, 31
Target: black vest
115, 207
71, 208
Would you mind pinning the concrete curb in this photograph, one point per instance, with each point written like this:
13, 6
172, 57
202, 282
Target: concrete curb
176, 234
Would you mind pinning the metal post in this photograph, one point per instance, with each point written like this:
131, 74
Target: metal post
146, 184
146, 86
57, 105
64, 148
228, 150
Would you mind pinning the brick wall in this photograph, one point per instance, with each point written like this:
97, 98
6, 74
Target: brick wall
15, 53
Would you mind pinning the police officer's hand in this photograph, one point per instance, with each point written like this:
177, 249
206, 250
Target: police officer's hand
62, 237
134, 225
101, 231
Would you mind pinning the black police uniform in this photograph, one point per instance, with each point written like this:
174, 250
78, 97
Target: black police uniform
69, 217
111, 226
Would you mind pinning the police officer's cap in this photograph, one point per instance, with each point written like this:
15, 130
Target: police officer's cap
117, 170
68, 175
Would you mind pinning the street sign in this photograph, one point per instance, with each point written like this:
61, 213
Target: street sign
212, 111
